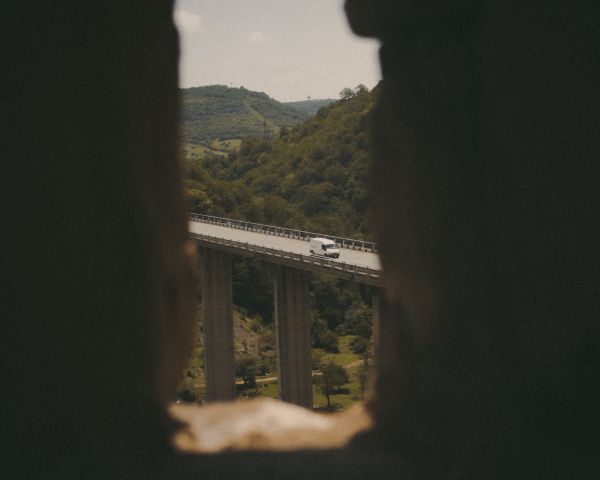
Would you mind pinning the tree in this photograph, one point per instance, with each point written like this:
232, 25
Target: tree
359, 345
328, 341
198, 201
283, 131
321, 336
317, 355
246, 369
331, 380
253, 288
347, 94
361, 88
359, 319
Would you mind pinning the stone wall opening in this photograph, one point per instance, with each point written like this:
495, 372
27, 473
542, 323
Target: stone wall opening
484, 159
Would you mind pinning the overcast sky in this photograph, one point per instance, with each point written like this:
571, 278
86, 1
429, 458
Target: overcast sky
289, 49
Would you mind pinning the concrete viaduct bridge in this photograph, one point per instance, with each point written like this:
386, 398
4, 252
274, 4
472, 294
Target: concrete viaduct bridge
287, 250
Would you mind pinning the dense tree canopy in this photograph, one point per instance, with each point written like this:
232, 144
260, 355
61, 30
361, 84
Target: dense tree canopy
312, 177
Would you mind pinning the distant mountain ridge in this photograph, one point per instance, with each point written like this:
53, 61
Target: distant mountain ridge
218, 112
310, 107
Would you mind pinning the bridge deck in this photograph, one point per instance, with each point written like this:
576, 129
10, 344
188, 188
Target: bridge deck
285, 244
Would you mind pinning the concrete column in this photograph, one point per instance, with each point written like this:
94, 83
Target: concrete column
292, 325
217, 320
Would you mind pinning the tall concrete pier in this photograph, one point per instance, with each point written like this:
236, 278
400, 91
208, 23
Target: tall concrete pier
292, 324
217, 318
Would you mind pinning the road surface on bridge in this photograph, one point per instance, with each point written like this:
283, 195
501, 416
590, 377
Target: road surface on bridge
355, 257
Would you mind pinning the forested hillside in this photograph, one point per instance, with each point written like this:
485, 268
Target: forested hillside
311, 177
218, 112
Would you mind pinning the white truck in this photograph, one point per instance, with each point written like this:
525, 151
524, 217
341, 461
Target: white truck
324, 247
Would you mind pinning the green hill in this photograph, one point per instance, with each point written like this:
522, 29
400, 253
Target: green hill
312, 176
310, 107
216, 114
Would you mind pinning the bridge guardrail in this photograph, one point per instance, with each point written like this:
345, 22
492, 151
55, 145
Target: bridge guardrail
284, 232
349, 268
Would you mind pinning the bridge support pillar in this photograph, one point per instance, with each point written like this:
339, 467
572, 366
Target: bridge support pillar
292, 324
217, 318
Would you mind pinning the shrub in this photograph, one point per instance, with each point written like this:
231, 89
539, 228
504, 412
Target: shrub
359, 345
187, 395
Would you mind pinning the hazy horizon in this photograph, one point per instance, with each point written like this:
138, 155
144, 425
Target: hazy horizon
289, 50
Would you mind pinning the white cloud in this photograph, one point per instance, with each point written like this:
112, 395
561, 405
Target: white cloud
257, 38
187, 22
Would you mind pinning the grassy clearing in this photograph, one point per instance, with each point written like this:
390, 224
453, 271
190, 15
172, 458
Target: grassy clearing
193, 150
226, 145
217, 146
349, 394
269, 389
345, 357
342, 358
